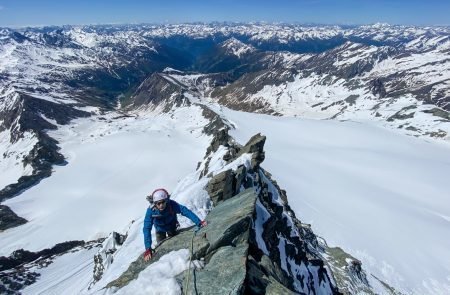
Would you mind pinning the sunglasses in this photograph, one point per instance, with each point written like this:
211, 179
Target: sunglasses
160, 203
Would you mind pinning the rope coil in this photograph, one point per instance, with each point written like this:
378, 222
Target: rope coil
189, 266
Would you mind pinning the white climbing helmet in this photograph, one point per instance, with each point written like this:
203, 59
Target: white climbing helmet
159, 195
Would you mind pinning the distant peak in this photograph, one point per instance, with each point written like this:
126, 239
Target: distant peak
379, 25
237, 47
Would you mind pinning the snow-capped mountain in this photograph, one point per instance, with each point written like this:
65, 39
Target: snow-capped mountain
408, 91
93, 117
236, 47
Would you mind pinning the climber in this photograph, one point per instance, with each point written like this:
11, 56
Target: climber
162, 213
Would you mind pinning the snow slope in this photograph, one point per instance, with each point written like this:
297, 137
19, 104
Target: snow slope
11, 166
63, 274
159, 278
383, 197
113, 163
379, 195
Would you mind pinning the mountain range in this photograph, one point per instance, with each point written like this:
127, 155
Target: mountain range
86, 103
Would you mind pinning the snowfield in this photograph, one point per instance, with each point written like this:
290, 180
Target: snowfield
11, 166
112, 165
381, 196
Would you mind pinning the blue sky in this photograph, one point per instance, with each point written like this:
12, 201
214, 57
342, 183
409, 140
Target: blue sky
46, 12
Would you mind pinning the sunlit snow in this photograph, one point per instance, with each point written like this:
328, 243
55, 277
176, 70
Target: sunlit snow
381, 196
112, 165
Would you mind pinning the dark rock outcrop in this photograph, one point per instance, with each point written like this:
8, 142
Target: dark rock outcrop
158, 90
445, 115
221, 137
281, 249
377, 88
347, 271
254, 146
220, 187
11, 282
105, 256
234, 95
404, 113
21, 256
228, 183
42, 157
20, 269
16, 270
28, 114
216, 124
9, 219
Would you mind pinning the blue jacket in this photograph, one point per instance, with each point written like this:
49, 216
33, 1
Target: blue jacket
165, 220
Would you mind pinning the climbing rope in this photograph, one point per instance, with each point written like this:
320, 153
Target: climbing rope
189, 267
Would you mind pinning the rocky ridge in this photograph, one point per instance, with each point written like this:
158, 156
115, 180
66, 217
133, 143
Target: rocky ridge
253, 243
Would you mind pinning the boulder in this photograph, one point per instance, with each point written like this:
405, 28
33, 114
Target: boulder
254, 146
221, 187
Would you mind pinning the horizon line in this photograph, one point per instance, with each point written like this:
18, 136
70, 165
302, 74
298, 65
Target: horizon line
220, 22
